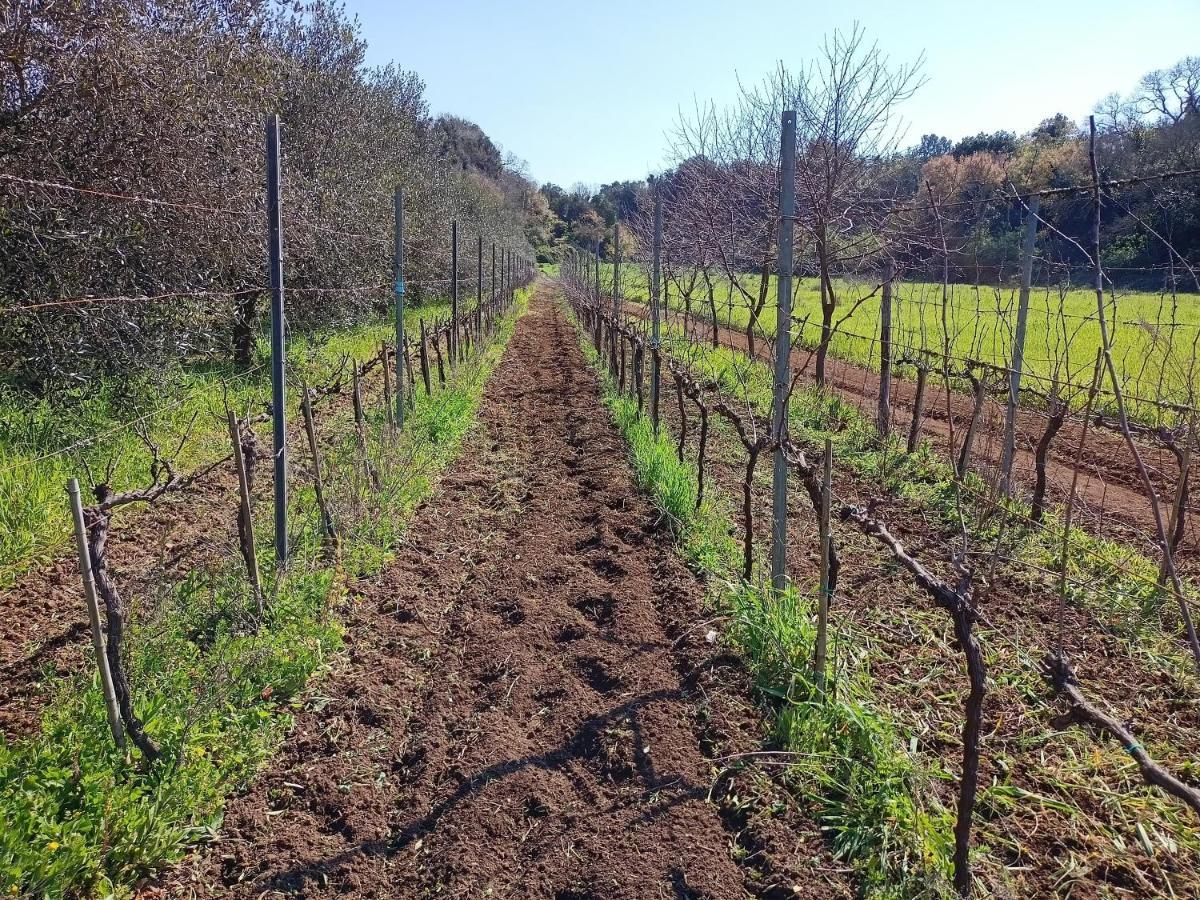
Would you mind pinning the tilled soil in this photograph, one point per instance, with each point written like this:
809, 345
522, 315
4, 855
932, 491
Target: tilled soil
529, 706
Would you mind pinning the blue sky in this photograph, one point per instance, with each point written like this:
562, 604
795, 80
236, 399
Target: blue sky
586, 91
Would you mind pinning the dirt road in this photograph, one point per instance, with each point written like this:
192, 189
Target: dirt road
527, 707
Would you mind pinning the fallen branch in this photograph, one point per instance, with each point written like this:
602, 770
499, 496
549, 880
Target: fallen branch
1062, 677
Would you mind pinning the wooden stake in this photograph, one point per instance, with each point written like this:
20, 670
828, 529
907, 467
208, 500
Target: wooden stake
437, 351
93, 605
412, 384
820, 656
883, 418
245, 520
326, 520
387, 386
425, 360
360, 431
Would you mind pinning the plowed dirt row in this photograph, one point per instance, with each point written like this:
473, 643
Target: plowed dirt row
529, 706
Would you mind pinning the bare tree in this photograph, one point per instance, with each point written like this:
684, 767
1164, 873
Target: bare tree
846, 105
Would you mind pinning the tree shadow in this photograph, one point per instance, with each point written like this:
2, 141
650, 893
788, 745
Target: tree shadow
577, 747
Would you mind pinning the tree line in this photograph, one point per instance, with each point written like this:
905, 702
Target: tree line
862, 194
132, 173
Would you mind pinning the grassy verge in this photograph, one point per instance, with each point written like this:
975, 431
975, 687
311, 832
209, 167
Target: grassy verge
34, 518
849, 764
1124, 595
216, 690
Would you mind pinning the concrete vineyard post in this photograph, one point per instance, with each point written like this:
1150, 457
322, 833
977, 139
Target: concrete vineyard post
783, 350
278, 343
398, 273
83, 548
1018, 349
599, 316
479, 287
597, 274
884, 418
616, 309
453, 291
656, 302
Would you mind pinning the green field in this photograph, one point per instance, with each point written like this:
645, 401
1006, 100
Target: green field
1154, 335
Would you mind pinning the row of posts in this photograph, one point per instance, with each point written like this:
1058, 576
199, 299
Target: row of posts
783, 349
580, 273
507, 269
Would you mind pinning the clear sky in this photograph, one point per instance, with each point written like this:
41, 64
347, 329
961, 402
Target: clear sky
585, 91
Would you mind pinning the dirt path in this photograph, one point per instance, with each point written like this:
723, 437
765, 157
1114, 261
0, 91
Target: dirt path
1111, 498
527, 707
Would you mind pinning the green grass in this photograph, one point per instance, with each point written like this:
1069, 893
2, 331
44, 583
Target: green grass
1153, 335
1126, 596
849, 765
215, 689
34, 517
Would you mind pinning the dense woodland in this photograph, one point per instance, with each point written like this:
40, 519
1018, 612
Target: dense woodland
165, 100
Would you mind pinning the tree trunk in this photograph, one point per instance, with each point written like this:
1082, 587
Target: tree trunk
914, 428
828, 305
114, 612
764, 285
245, 322
972, 728
712, 307
980, 394
1057, 414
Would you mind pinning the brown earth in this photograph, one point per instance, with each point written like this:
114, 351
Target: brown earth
529, 706
1110, 497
